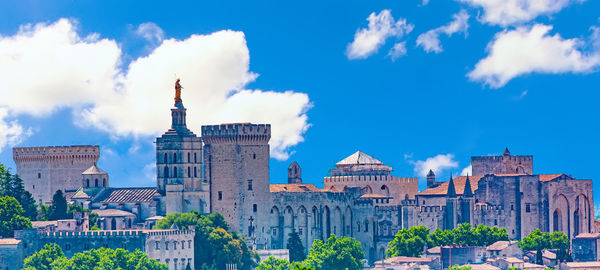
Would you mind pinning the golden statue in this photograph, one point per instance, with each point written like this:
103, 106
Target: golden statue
177, 91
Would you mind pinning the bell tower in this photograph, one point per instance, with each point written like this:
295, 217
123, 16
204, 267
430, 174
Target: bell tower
179, 164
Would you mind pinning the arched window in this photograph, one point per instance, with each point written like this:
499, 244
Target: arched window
113, 224
174, 157
96, 184
189, 171
87, 182
366, 226
166, 172
166, 160
174, 171
104, 182
188, 157
195, 158
195, 174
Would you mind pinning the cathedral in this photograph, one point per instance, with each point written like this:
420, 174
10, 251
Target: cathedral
226, 169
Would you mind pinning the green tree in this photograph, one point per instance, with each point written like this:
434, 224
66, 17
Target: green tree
42, 259
52, 257
560, 242
456, 267
440, 238
273, 263
409, 242
337, 253
58, 209
485, 236
536, 241
214, 245
12, 185
294, 245
11, 218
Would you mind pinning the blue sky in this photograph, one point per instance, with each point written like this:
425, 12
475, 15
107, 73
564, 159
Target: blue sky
423, 84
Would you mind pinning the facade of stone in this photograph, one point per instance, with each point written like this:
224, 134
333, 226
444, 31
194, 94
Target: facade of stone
226, 170
45, 170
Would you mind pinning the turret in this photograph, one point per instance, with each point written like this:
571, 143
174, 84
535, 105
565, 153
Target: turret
94, 177
294, 173
431, 179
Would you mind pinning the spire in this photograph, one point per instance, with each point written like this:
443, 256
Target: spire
506, 152
451, 189
468, 191
430, 173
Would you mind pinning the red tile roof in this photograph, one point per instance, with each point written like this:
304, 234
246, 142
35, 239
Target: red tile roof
459, 185
374, 196
293, 188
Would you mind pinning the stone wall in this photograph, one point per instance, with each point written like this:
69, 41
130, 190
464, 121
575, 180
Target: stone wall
505, 164
45, 170
400, 188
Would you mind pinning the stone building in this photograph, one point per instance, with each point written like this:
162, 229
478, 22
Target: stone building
45, 170
173, 246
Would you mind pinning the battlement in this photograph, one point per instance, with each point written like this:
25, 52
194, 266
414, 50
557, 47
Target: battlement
369, 178
432, 209
504, 164
486, 208
90, 152
238, 132
117, 233
501, 158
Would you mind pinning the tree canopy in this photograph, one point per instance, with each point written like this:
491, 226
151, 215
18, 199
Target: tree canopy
214, 245
12, 185
336, 253
539, 241
52, 257
273, 263
58, 209
411, 242
294, 245
11, 218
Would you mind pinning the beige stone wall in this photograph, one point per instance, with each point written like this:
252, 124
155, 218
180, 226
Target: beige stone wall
180, 244
400, 188
45, 170
502, 165
571, 200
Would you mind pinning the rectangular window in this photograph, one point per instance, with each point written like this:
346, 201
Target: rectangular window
157, 245
255, 208
300, 231
166, 245
249, 184
39, 175
527, 207
220, 195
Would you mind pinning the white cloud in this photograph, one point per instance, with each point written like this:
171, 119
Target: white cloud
49, 66
467, 171
510, 12
398, 50
150, 172
150, 32
430, 40
424, 2
381, 26
527, 50
11, 132
437, 163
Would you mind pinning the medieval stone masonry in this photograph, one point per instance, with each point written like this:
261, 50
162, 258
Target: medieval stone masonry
226, 170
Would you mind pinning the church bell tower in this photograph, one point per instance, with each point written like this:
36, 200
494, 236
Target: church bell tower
179, 164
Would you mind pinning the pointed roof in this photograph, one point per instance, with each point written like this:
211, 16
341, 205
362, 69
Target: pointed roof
467, 191
451, 189
506, 152
430, 173
359, 158
94, 170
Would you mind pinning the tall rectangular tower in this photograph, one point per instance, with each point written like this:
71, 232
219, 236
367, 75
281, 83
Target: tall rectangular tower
236, 162
505, 164
46, 169
179, 165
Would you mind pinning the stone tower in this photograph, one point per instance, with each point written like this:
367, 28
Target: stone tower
94, 180
45, 170
431, 179
294, 173
179, 165
504, 164
451, 206
236, 163
467, 200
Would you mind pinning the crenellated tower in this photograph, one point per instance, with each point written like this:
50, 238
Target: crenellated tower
179, 164
236, 162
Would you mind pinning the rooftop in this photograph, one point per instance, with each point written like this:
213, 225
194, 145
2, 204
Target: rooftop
500, 245
128, 195
9, 241
111, 213
293, 188
359, 158
93, 170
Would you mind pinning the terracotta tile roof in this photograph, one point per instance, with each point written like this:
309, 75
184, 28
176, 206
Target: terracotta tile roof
583, 265
588, 236
9, 241
434, 250
533, 266
459, 185
80, 194
112, 213
40, 224
500, 245
403, 259
293, 188
374, 196
549, 177
513, 260
128, 195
